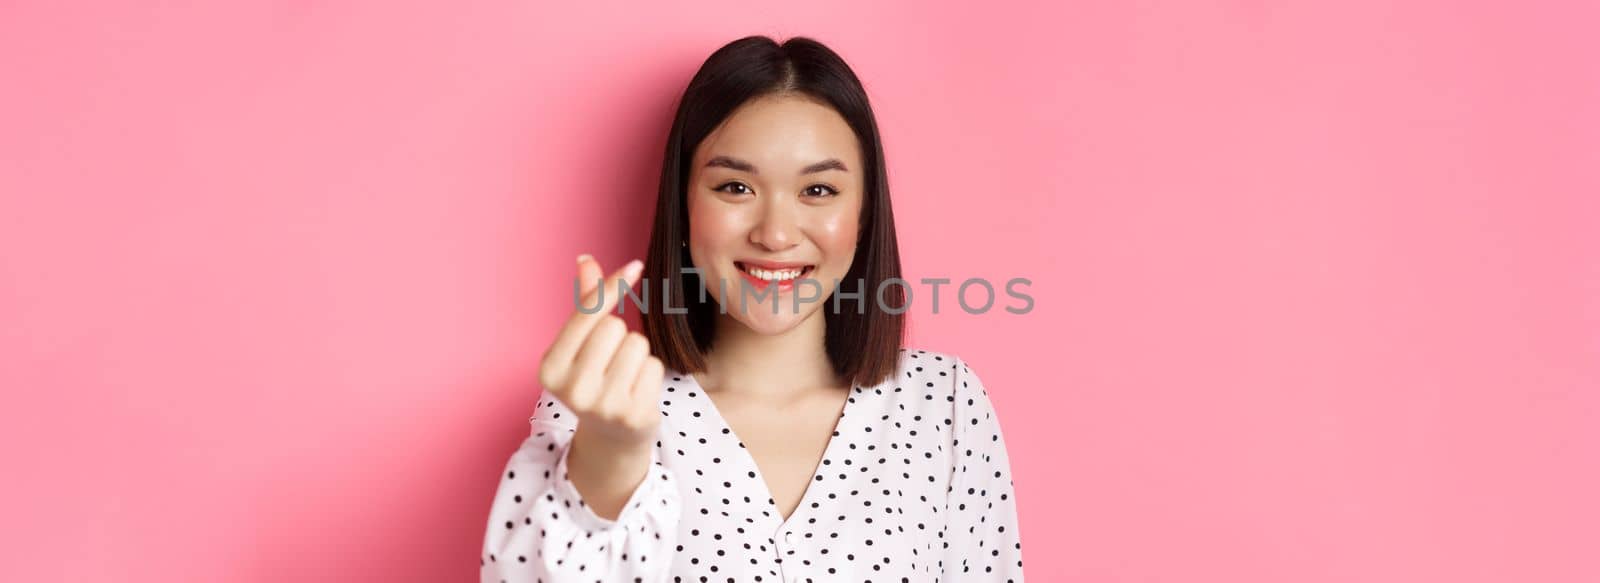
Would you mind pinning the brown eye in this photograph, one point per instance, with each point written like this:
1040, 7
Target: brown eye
724, 188
825, 192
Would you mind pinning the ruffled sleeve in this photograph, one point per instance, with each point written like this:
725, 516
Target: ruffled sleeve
982, 542
541, 530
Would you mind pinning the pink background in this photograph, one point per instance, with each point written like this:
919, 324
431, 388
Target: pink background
1318, 289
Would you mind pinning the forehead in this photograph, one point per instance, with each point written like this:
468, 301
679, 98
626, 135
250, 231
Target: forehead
781, 132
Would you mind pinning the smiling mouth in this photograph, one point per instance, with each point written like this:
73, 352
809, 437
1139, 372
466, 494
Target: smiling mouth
775, 275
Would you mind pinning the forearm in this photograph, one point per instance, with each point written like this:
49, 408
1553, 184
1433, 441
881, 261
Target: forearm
541, 528
604, 473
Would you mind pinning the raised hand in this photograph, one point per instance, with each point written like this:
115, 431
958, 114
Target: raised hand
606, 375
600, 369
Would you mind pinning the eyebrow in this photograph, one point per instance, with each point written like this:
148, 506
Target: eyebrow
743, 166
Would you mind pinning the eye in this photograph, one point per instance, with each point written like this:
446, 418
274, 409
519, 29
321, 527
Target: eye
826, 192
724, 188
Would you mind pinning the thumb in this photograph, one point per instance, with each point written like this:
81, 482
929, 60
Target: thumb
589, 275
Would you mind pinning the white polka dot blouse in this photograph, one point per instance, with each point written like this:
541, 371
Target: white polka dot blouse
913, 485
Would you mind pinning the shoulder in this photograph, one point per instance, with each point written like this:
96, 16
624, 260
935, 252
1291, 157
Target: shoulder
933, 369
935, 376
948, 382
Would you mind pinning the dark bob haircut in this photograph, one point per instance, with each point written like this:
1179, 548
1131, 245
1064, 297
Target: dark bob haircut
863, 339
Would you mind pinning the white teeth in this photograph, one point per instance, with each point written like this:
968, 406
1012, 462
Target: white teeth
780, 275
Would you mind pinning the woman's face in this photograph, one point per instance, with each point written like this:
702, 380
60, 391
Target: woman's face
775, 196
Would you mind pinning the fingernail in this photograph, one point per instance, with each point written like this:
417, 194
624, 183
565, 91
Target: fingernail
633, 268
584, 257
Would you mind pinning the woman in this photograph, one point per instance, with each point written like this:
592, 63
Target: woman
767, 425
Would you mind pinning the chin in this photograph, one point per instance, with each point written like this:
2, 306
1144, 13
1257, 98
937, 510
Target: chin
760, 319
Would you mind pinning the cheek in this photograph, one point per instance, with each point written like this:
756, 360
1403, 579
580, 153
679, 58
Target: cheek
836, 232
710, 225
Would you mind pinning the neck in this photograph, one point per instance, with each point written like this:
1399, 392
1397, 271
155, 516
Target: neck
746, 362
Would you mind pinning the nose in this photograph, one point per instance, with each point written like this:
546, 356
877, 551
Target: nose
778, 229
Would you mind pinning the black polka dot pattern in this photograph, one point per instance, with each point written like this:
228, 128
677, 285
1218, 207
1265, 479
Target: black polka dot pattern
915, 485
